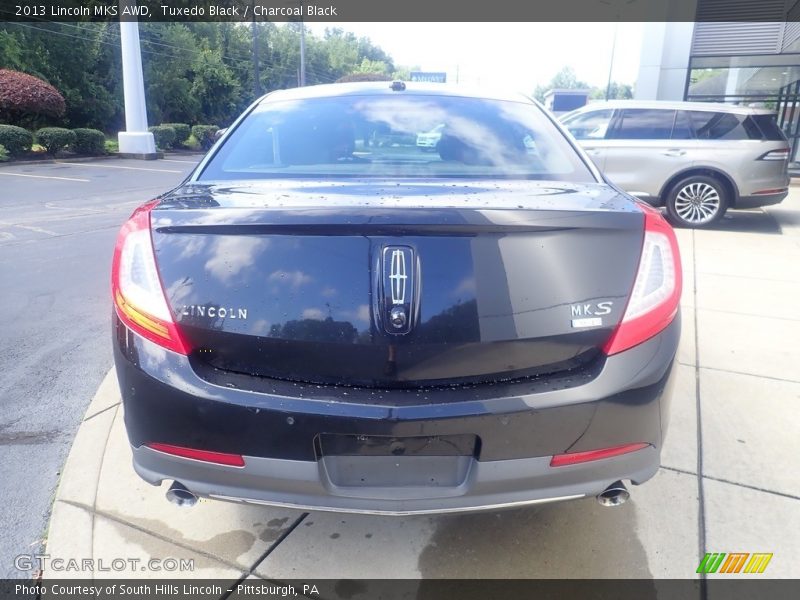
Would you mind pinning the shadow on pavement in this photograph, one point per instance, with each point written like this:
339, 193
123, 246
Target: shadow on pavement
565, 540
747, 221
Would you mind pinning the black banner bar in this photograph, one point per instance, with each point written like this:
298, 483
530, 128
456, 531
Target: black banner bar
335, 11
744, 587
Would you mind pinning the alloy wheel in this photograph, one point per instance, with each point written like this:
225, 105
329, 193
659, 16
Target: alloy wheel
698, 203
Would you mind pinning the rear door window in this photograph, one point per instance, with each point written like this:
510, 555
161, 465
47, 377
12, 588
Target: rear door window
590, 125
683, 127
710, 125
644, 124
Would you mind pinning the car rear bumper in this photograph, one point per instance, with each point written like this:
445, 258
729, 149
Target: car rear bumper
761, 200
310, 485
623, 399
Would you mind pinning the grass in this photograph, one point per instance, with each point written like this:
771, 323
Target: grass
192, 143
112, 146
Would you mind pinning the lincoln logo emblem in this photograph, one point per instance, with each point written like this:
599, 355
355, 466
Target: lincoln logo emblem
398, 289
398, 277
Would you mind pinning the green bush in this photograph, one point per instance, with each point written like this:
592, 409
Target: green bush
15, 139
182, 132
3, 153
89, 141
205, 135
55, 138
164, 136
192, 143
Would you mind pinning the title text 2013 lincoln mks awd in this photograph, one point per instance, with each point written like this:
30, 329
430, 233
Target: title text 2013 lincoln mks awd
327, 315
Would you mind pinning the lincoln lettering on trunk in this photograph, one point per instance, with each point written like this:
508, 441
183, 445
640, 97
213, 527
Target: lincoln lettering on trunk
214, 311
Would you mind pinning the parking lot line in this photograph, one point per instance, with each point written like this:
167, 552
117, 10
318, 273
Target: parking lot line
117, 167
46, 177
185, 162
28, 227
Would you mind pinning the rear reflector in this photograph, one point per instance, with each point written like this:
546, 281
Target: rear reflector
770, 191
218, 458
656, 292
573, 458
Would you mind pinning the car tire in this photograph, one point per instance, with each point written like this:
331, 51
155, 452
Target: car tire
697, 201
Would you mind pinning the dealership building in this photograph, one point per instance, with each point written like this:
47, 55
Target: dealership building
722, 57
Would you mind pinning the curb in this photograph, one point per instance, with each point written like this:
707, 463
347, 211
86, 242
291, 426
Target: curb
91, 528
70, 531
55, 161
115, 156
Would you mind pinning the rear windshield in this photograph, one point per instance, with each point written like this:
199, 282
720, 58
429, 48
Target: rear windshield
397, 136
768, 125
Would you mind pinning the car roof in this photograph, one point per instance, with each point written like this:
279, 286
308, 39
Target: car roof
674, 105
384, 88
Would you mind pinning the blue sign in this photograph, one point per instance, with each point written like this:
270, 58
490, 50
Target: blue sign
428, 77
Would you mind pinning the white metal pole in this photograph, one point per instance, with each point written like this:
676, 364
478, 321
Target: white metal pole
302, 52
135, 139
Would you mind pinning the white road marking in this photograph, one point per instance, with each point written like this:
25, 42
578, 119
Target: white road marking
88, 210
28, 227
36, 229
45, 177
117, 167
185, 162
4, 235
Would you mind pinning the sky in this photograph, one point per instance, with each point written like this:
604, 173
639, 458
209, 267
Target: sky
513, 55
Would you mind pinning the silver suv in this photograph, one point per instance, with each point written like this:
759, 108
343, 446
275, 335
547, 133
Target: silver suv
698, 159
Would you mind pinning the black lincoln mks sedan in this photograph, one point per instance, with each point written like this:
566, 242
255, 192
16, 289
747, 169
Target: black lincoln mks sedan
327, 315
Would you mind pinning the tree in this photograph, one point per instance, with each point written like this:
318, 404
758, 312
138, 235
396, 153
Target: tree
214, 87
617, 91
193, 72
82, 61
363, 77
26, 100
565, 79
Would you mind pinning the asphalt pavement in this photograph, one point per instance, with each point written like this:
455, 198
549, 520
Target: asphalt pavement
58, 222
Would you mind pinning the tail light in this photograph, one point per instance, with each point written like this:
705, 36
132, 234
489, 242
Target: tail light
136, 287
657, 289
776, 155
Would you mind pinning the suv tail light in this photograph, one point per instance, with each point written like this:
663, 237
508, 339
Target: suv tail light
657, 289
136, 287
776, 155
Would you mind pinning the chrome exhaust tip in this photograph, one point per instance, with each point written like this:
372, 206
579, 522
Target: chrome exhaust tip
180, 496
614, 495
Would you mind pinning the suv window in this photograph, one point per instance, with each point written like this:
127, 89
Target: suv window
768, 125
722, 126
644, 124
683, 127
590, 125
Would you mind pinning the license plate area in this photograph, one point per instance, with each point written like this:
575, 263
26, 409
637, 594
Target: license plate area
378, 445
381, 466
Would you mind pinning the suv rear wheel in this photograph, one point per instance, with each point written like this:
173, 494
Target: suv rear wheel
697, 201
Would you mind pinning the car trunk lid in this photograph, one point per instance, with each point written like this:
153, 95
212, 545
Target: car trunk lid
294, 279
